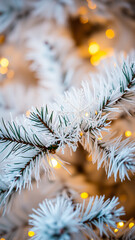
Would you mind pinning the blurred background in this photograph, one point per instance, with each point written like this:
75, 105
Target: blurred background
46, 48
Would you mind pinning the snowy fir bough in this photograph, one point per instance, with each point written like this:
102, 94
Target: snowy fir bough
80, 116
62, 219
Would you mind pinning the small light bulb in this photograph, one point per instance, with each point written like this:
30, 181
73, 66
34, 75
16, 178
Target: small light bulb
86, 114
28, 113
91, 5
93, 48
96, 112
31, 233
54, 163
110, 33
131, 225
83, 19
120, 224
82, 10
81, 134
84, 195
4, 62
115, 230
128, 133
100, 138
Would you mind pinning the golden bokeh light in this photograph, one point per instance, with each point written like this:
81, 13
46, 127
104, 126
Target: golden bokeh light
4, 62
3, 70
84, 195
128, 133
54, 163
82, 10
83, 19
81, 133
116, 230
28, 113
91, 5
31, 233
100, 138
110, 33
120, 224
131, 224
93, 48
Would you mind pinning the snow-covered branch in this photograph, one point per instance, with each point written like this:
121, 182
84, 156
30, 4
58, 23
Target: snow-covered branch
60, 218
78, 116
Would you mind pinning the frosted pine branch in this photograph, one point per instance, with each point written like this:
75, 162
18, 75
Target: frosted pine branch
115, 154
78, 113
60, 218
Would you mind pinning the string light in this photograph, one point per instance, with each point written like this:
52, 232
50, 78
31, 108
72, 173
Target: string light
28, 113
110, 33
83, 19
81, 134
96, 112
86, 114
131, 224
91, 5
93, 48
95, 59
54, 163
116, 230
84, 195
4, 62
120, 224
31, 233
3, 70
82, 10
100, 138
2, 239
128, 133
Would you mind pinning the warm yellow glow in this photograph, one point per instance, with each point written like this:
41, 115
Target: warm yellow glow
96, 112
81, 134
2, 239
83, 19
54, 163
2, 39
128, 133
92, 5
10, 74
110, 33
4, 62
86, 114
120, 224
31, 233
115, 230
82, 10
100, 138
95, 59
89, 158
84, 195
3, 70
131, 225
93, 48
28, 113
